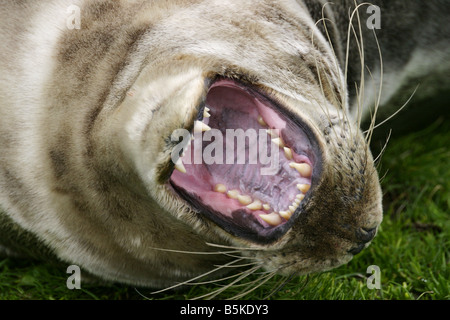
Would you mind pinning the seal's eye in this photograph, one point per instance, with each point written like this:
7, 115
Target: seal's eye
247, 167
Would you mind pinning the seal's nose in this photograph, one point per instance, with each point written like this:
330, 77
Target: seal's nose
364, 235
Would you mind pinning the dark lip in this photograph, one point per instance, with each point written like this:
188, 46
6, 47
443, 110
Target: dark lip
263, 236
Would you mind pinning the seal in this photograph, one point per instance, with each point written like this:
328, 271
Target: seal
150, 142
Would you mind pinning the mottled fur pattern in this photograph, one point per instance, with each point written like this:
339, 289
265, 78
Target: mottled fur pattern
86, 117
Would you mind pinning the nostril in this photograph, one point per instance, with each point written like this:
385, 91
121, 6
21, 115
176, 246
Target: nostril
363, 236
357, 249
366, 234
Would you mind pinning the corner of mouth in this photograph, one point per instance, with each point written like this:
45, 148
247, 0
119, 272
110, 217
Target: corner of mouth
248, 164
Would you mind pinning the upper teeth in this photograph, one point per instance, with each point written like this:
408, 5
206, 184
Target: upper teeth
261, 121
303, 168
278, 141
179, 166
245, 200
233, 194
303, 187
255, 205
273, 133
200, 126
220, 188
288, 153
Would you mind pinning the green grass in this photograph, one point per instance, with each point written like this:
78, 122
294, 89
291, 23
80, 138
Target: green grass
411, 248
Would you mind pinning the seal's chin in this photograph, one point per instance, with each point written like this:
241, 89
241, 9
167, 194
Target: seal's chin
248, 165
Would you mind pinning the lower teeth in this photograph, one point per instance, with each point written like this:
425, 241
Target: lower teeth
285, 214
220, 188
255, 205
244, 200
272, 218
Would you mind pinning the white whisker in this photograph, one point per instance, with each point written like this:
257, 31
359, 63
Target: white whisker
396, 112
384, 176
384, 147
241, 257
284, 280
336, 62
363, 65
220, 279
214, 293
233, 248
241, 265
360, 49
197, 277
261, 280
194, 252
377, 104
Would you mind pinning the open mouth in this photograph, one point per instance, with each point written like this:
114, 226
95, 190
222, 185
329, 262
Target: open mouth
248, 164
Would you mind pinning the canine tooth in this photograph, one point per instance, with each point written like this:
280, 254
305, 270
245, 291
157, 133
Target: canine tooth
285, 214
245, 200
180, 166
272, 218
288, 153
303, 168
220, 188
278, 142
199, 126
255, 205
261, 121
233, 194
266, 206
303, 187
